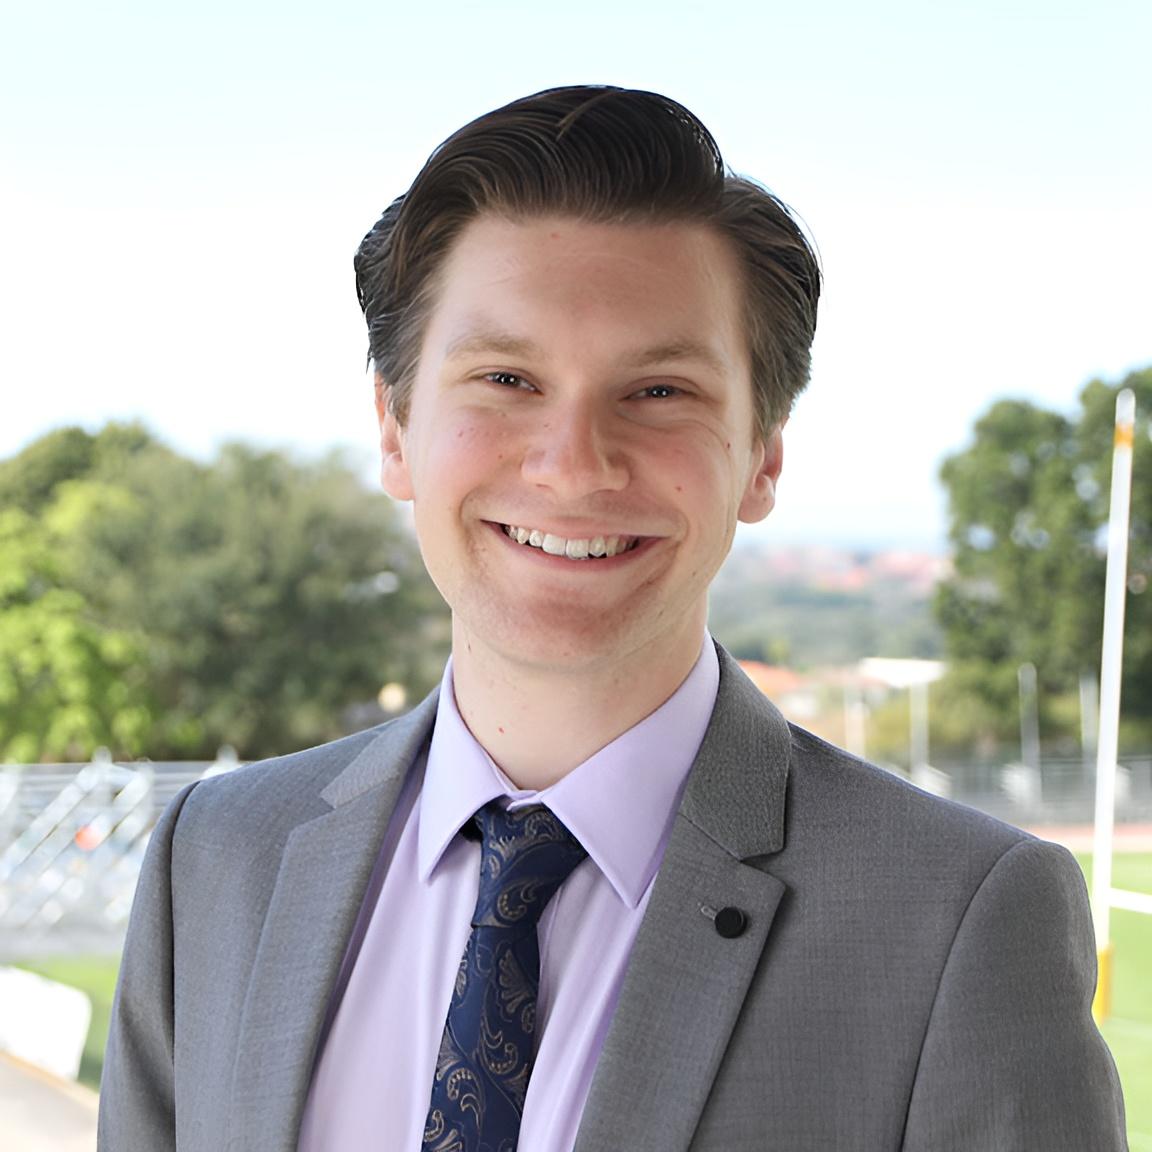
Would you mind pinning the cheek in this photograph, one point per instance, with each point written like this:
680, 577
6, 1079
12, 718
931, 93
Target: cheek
704, 474
462, 453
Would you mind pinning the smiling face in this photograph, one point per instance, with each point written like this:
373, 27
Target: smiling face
580, 441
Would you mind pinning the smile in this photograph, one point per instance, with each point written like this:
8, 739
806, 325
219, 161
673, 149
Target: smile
594, 548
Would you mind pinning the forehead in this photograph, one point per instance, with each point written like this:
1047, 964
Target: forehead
672, 283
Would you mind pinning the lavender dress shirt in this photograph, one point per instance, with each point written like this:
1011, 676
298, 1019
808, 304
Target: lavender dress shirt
373, 1081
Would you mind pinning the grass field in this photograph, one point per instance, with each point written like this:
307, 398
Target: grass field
1128, 1031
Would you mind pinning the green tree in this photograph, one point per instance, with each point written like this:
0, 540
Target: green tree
1094, 477
263, 596
67, 684
30, 479
1028, 505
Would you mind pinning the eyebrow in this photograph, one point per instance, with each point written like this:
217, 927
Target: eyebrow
486, 340
483, 340
675, 351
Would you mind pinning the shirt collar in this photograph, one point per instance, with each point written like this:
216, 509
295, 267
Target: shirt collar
619, 803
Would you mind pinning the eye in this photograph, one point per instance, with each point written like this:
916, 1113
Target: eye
660, 392
507, 379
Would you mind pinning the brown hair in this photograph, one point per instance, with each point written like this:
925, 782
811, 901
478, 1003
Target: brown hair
605, 155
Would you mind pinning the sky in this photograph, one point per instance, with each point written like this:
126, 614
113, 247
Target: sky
184, 185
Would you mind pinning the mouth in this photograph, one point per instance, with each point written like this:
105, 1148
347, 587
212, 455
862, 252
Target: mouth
588, 548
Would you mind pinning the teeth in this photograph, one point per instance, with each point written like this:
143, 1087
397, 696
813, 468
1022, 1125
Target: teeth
598, 546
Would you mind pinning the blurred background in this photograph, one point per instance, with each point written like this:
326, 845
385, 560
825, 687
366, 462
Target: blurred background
197, 568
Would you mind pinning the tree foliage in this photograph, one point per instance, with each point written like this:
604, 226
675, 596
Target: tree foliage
65, 682
164, 607
1028, 505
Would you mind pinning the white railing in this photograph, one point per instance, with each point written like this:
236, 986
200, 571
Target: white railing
72, 838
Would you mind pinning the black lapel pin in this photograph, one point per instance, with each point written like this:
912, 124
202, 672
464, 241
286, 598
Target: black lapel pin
729, 922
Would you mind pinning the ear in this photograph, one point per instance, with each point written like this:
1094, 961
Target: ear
394, 477
760, 493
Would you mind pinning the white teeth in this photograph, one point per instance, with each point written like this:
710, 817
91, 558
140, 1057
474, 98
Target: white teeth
599, 546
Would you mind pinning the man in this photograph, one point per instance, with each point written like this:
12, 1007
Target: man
587, 338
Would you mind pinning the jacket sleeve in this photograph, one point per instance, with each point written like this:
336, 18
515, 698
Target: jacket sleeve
1012, 1060
137, 1089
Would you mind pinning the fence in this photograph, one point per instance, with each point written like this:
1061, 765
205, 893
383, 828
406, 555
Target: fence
1056, 792
72, 836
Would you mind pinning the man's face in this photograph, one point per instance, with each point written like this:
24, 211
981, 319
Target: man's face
580, 441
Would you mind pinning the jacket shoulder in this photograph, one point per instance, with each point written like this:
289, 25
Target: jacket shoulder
838, 798
263, 801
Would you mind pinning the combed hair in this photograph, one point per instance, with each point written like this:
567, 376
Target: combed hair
598, 154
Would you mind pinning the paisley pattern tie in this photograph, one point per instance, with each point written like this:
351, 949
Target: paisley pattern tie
487, 1050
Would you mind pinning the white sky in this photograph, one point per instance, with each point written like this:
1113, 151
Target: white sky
184, 185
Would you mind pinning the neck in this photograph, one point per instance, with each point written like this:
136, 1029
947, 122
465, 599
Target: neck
539, 722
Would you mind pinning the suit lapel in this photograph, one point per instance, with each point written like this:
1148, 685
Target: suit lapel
685, 983
321, 883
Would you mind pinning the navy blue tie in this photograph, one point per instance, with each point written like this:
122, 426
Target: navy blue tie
488, 1045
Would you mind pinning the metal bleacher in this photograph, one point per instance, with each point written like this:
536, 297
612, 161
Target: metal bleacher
72, 837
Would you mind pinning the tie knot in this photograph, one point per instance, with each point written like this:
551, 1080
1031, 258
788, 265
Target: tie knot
525, 856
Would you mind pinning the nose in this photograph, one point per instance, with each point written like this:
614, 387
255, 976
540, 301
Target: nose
575, 453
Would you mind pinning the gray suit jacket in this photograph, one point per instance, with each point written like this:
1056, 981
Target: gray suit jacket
912, 975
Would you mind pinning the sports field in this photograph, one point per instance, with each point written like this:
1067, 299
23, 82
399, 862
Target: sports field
1128, 1031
